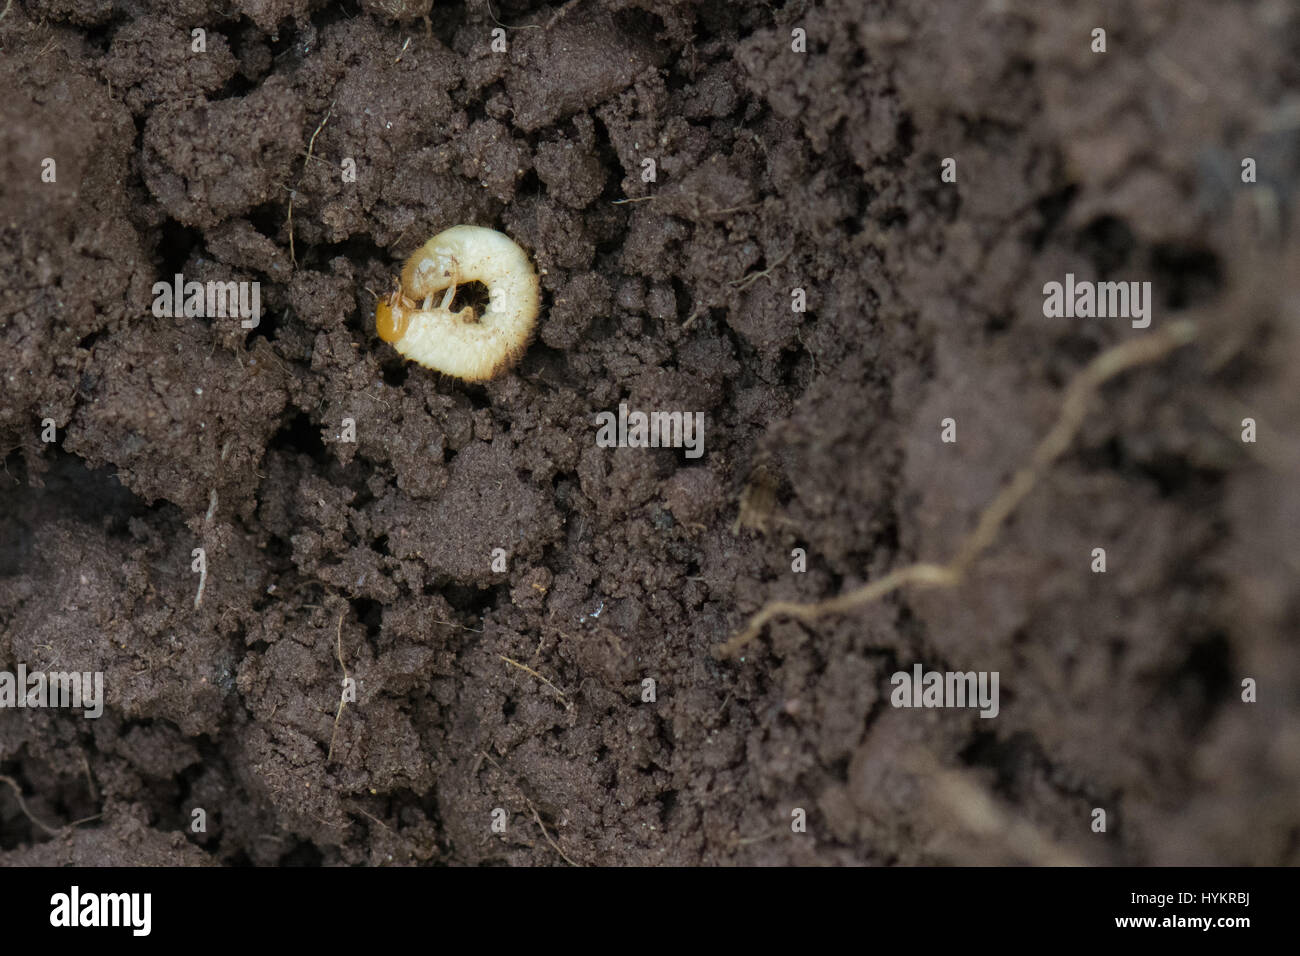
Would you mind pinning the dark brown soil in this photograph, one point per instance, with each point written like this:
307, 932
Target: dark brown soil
523, 689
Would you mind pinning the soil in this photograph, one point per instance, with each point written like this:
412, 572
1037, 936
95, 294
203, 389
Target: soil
523, 690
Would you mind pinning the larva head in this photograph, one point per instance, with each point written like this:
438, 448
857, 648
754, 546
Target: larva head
391, 318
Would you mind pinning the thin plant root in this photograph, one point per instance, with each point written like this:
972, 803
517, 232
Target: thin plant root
338, 638
22, 805
311, 147
745, 281
962, 797
52, 831
1074, 407
528, 670
532, 807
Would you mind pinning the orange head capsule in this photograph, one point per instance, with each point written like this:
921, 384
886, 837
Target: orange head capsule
390, 319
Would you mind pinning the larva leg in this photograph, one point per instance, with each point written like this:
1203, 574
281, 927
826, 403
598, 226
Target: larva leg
450, 295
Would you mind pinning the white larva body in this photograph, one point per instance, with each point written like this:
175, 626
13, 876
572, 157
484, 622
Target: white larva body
426, 331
